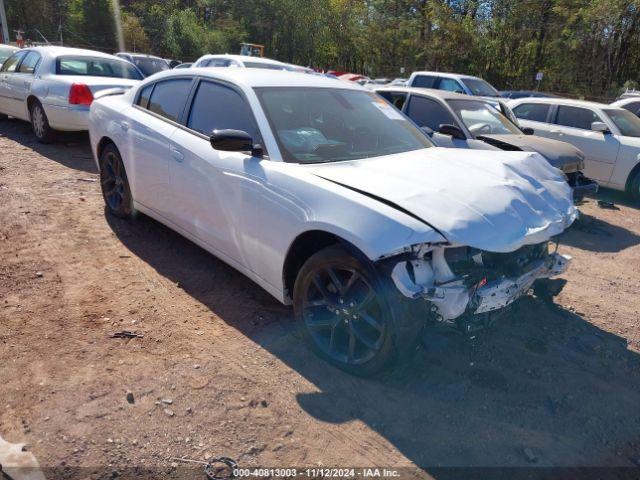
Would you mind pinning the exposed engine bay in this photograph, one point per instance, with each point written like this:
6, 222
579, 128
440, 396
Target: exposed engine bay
455, 281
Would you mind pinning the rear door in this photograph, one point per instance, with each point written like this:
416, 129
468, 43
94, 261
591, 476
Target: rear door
573, 125
536, 116
150, 124
20, 82
8, 103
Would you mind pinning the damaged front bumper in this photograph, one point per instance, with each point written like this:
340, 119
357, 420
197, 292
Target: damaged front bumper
449, 296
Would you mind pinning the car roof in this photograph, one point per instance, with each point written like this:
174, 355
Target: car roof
56, 51
441, 94
146, 55
446, 75
242, 58
250, 77
10, 47
560, 101
626, 101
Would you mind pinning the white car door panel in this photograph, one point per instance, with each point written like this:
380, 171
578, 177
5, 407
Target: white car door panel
151, 125
9, 103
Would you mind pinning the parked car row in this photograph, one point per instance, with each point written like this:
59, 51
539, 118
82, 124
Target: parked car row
375, 214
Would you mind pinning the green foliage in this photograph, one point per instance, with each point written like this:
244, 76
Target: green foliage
584, 47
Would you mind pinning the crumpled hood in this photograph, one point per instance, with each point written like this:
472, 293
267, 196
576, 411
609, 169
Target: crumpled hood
494, 201
561, 155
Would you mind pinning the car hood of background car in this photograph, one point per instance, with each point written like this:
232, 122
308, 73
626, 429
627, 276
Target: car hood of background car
494, 201
561, 155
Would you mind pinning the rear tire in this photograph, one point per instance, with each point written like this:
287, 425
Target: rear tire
343, 312
114, 183
40, 123
634, 187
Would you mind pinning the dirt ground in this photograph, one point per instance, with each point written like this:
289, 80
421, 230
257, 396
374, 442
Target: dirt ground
220, 372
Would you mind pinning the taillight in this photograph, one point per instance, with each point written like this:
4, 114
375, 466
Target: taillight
80, 94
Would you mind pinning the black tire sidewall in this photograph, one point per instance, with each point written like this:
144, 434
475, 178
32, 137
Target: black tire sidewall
126, 206
49, 134
339, 255
634, 190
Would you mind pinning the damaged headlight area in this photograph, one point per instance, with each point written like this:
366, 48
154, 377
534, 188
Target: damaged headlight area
462, 280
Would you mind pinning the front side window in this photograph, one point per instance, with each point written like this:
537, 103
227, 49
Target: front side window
482, 118
627, 122
12, 62
314, 125
424, 81
576, 117
536, 112
169, 98
480, 88
30, 63
396, 99
96, 67
218, 107
428, 113
450, 85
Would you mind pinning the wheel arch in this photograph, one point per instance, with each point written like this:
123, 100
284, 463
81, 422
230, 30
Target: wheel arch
632, 174
104, 141
303, 247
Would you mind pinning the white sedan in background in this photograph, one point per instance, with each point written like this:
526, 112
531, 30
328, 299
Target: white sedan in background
6, 51
609, 136
53, 87
333, 201
239, 61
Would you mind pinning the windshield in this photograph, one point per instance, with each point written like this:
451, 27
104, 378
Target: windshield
96, 67
481, 88
627, 122
481, 118
150, 65
314, 125
6, 53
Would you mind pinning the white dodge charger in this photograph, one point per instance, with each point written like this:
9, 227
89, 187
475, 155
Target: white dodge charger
333, 201
52, 87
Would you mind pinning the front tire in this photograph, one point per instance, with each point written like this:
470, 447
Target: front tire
114, 183
343, 313
40, 123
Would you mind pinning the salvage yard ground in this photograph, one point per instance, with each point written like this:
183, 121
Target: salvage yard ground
219, 370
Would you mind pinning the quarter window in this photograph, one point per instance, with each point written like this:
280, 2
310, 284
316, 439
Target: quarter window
428, 113
217, 107
143, 99
30, 63
169, 97
536, 112
12, 62
576, 117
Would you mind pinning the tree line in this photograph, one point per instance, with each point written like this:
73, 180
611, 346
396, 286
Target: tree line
585, 48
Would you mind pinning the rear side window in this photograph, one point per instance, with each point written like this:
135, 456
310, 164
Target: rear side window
30, 63
217, 62
424, 81
145, 94
576, 117
428, 113
169, 98
12, 62
532, 111
217, 107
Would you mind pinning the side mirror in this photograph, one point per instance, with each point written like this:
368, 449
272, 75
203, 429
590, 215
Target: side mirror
455, 132
600, 127
427, 130
229, 140
527, 130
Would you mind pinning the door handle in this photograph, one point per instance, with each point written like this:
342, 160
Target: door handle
124, 126
176, 154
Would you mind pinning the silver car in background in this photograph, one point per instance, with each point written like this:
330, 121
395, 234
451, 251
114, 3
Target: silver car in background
53, 87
